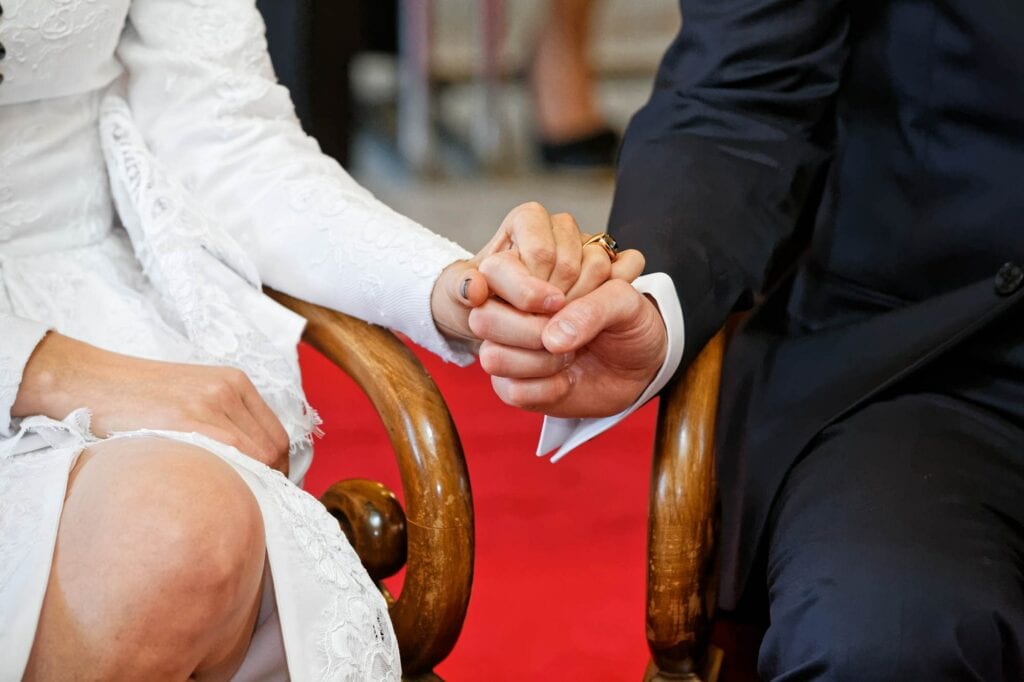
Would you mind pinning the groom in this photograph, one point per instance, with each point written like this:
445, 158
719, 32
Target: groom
851, 174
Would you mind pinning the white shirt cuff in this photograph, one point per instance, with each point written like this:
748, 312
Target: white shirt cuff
569, 434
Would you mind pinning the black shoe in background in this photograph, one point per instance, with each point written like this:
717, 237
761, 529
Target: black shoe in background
597, 150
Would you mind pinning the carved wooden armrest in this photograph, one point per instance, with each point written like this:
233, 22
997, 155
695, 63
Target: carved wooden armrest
435, 532
681, 557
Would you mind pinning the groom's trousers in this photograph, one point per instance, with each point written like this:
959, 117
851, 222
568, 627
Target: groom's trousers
895, 547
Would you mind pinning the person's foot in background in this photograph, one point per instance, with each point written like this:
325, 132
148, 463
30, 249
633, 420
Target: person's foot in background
571, 131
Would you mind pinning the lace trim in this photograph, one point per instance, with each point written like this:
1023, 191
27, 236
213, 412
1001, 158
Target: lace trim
354, 639
177, 244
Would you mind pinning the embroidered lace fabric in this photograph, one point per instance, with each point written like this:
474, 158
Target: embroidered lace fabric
152, 178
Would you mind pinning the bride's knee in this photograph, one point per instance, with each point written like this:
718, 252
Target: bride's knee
161, 550
175, 514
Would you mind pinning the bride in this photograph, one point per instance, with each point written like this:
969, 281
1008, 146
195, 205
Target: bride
152, 178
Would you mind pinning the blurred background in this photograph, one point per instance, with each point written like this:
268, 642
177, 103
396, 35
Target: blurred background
453, 112
433, 104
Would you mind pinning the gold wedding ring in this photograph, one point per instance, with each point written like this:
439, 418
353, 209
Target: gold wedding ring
606, 242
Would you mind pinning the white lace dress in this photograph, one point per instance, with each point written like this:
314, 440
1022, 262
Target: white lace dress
152, 176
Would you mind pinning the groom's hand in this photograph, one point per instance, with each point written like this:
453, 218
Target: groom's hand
592, 359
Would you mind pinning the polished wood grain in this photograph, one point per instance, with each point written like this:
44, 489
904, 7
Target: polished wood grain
681, 575
438, 517
373, 521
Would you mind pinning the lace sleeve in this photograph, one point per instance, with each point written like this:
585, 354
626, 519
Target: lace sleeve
18, 338
203, 92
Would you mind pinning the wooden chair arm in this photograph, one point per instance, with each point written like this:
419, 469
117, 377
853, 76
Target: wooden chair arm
438, 520
681, 575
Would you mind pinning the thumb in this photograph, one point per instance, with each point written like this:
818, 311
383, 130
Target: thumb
473, 289
460, 288
612, 304
466, 285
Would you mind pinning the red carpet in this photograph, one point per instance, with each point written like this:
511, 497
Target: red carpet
559, 583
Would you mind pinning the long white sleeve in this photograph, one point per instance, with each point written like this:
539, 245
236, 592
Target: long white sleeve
569, 434
18, 338
203, 92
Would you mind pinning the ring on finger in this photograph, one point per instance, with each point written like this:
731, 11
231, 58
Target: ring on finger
606, 242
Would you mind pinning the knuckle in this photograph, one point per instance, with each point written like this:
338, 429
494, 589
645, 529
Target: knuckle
511, 255
568, 269
495, 262
601, 268
529, 208
524, 215
498, 267
622, 290
236, 376
227, 391
541, 253
504, 260
245, 384
619, 288
531, 295
565, 218
490, 264
218, 392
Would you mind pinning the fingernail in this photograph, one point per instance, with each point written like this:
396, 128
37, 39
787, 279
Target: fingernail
464, 291
563, 332
553, 302
567, 359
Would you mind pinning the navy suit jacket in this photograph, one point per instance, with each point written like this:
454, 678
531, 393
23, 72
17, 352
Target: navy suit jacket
883, 142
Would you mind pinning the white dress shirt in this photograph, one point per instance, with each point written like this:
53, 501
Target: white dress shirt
568, 434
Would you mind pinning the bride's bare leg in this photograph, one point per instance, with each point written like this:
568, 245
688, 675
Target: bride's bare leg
157, 571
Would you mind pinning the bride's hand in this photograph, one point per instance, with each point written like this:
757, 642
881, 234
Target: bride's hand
535, 263
126, 393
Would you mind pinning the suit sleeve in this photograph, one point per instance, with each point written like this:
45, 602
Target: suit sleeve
718, 167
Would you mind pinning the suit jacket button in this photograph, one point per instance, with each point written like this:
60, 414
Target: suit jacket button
1009, 279
3, 51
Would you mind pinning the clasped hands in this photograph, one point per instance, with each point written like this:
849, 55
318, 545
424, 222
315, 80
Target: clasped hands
560, 329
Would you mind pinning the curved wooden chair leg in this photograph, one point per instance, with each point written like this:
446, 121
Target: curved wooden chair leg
681, 570
433, 537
